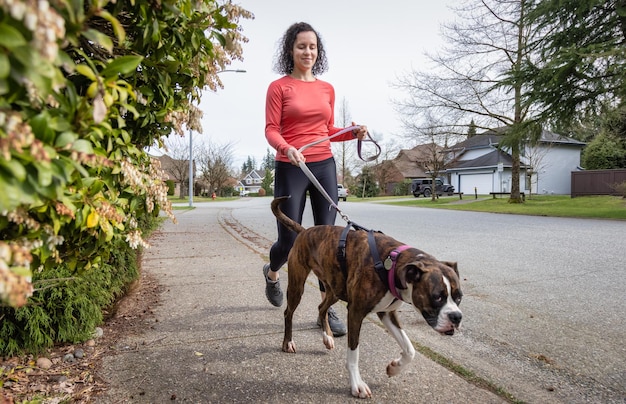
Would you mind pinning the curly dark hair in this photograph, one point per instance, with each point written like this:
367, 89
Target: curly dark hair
283, 63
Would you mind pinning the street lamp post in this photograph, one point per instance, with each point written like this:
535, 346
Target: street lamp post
191, 146
190, 168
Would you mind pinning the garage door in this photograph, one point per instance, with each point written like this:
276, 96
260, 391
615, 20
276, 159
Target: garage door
482, 182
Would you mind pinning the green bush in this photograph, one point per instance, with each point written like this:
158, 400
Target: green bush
171, 187
402, 188
67, 306
85, 86
605, 151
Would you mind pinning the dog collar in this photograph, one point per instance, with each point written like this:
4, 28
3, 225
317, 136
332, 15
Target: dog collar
390, 266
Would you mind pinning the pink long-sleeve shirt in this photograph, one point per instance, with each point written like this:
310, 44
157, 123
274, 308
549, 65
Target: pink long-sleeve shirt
298, 113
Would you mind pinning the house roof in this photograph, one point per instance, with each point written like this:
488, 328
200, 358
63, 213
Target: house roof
419, 153
493, 137
409, 162
490, 160
482, 141
259, 174
409, 169
551, 137
169, 165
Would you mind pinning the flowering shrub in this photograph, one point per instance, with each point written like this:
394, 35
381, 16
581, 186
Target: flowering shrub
84, 88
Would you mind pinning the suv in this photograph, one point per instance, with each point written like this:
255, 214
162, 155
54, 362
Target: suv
424, 186
342, 192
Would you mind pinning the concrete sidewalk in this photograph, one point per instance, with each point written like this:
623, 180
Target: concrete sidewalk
217, 339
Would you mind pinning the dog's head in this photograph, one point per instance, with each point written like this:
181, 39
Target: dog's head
435, 291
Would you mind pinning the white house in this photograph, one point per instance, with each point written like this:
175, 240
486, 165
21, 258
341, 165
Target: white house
545, 168
252, 182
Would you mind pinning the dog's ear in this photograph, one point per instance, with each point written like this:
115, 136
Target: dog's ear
452, 265
412, 272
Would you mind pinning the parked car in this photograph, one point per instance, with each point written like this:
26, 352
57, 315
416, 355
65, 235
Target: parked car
424, 186
343, 192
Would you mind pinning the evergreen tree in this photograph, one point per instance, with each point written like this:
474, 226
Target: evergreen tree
582, 68
471, 131
268, 161
268, 181
248, 166
366, 184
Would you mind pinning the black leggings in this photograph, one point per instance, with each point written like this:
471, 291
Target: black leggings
290, 180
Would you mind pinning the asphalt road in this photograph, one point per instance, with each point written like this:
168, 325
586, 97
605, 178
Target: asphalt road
543, 297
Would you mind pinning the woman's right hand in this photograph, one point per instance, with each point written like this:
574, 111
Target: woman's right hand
295, 156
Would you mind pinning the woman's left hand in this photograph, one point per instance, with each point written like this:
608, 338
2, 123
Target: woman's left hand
360, 132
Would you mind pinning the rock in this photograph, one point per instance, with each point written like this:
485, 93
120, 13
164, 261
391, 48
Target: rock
59, 379
90, 342
69, 358
79, 353
44, 363
98, 332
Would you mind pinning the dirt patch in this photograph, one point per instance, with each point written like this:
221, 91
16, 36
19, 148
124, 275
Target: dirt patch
76, 380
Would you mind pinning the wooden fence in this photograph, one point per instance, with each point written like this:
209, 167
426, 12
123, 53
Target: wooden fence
596, 182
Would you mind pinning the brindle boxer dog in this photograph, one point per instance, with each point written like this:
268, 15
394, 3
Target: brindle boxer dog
417, 278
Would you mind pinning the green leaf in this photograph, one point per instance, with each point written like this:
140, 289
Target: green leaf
86, 71
80, 168
95, 188
12, 195
21, 271
82, 145
44, 174
65, 139
15, 168
5, 66
99, 38
11, 37
65, 167
121, 65
134, 203
117, 27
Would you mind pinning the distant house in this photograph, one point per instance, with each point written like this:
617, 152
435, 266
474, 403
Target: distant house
251, 182
176, 170
408, 164
482, 167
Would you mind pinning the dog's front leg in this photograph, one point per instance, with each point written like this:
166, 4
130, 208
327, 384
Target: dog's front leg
390, 320
358, 387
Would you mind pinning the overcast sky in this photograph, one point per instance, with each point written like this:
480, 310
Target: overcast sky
368, 44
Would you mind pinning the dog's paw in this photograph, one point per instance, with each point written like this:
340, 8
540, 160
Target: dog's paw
329, 341
361, 390
393, 368
289, 346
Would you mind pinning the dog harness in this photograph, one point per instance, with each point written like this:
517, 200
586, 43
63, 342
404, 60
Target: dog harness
385, 270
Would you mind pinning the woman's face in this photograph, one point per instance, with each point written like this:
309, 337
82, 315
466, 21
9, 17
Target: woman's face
305, 51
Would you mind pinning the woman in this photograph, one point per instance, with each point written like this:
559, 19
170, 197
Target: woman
300, 110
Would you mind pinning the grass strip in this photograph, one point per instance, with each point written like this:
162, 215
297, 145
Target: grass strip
465, 374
